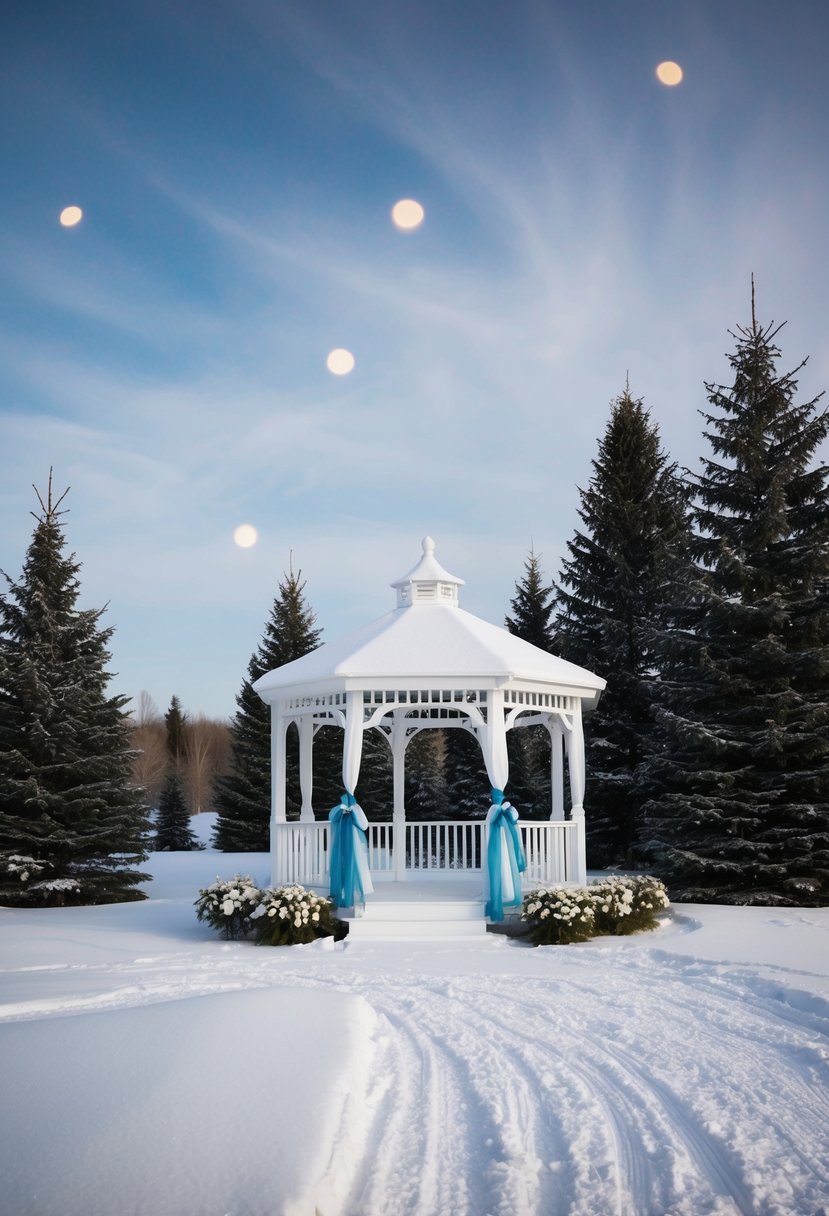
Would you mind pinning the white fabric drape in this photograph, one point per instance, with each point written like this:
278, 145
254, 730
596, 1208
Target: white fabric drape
352, 741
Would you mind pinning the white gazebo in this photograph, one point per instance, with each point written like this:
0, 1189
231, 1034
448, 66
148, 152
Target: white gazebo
429, 664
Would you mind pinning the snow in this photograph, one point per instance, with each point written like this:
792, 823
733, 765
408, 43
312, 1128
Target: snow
149, 1067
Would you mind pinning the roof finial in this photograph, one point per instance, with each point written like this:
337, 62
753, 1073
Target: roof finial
428, 544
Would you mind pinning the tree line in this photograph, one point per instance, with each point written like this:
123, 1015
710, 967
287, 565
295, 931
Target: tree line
702, 598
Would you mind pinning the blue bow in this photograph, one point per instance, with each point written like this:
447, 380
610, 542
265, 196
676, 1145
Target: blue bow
344, 869
503, 834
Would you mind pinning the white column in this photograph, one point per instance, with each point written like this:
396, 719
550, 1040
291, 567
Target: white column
556, 768
306, 767
495, 740
278, 816
398, 753
278, 774
575, 767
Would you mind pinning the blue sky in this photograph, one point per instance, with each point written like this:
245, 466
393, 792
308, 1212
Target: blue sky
236, 164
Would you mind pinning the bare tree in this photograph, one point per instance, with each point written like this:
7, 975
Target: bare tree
207, 755
149, 740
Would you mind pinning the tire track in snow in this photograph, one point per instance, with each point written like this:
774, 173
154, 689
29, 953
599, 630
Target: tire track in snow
634, 1084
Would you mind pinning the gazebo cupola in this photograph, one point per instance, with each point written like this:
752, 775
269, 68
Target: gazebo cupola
427, 582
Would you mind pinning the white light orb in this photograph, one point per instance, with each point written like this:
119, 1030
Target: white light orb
407, 214
340, 362
669, 73
70, 216
245, 536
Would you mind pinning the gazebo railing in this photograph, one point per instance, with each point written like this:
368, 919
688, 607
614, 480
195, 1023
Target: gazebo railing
448, 847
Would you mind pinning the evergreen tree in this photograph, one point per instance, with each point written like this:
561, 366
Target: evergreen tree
243, 797
172, 829
426, 793
612, 587
72, 829
532, 606
175, 722
739, 807
467, 782
375, 785
528, 748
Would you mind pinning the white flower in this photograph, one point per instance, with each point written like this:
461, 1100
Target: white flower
283, 912
315, 916
228, 907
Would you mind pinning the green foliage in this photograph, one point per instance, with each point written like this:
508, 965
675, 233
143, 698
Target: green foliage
243, 797
66, 803
175, 722
529, 747
627, 905
611, 612
559, 916
228, 904
532, 606
616, 907
173, 829
292, 916
738, 779
277, 916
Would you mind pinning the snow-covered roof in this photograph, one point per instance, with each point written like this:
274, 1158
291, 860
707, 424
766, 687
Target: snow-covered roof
428, 640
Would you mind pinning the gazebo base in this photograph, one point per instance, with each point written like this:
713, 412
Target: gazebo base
433, 851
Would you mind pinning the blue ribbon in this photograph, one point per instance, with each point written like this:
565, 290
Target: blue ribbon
344, 870
509, 839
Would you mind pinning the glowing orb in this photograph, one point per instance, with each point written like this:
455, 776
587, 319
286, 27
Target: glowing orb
70, 216
245, 536
340, 362
407, 214
669, 72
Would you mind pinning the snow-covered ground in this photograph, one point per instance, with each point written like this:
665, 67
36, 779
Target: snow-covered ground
148, 1067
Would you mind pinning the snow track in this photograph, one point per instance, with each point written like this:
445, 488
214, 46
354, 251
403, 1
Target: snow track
600, 1081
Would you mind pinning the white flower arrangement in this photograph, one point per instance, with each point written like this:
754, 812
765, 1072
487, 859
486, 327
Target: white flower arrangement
292, 916
229, 904
618, 905
277, 916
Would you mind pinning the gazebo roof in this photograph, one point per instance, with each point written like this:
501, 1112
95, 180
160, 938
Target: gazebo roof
428, 641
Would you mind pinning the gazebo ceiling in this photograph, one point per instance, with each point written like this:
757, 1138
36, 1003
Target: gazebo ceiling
428, 641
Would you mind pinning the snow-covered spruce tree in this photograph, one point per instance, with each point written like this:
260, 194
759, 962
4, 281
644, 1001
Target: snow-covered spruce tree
610, 598
72, 829
528, 748
739, 805
172, 823
243, 797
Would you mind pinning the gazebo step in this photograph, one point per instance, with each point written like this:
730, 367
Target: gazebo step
419, 920
445, 911
410, 930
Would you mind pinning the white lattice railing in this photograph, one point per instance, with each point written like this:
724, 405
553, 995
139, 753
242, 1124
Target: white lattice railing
551, 850
452, 847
